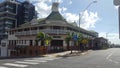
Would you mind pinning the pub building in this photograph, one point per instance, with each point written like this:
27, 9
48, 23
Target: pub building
22, 40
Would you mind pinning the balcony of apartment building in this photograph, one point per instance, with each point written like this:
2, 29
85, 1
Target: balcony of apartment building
9, 22
26, 17
26, 11
7, 16
7, 9
26, 6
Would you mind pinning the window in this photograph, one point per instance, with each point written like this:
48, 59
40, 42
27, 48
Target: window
31, 42
3, 44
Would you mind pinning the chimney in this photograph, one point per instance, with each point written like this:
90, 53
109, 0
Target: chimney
55, 7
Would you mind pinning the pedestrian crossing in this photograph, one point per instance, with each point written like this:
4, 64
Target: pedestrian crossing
27, 62
3, 67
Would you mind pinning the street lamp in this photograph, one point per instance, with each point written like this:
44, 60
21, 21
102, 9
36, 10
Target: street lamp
80, 15
117, 3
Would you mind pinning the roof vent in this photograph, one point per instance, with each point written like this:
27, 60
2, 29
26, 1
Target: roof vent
55, 6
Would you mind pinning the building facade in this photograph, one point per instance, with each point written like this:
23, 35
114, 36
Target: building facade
14, 13
22, 40
100, 43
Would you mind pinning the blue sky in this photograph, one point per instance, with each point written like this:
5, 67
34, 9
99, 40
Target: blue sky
101, 16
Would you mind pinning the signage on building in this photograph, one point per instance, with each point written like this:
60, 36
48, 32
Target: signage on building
56, 36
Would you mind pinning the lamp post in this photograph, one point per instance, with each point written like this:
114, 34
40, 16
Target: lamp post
80, 15
117, 3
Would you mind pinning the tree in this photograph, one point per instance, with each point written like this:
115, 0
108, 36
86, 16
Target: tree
48, 39
69, 38
85, 41
44, 38
80, 37
41, 37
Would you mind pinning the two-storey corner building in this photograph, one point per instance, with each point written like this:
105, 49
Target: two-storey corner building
22, 40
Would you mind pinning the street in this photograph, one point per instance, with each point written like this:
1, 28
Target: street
109, 58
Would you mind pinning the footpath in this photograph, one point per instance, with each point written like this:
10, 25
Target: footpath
60, 54
68, 54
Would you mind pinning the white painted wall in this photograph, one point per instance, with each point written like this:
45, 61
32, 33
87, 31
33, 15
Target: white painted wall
3, 52
3, 48
12, 37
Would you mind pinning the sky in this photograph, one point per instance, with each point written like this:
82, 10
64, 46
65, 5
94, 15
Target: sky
101, 17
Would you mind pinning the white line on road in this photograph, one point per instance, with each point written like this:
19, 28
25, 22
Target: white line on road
15, 65
108, 57
44, 58
35, 60
110, 54
26, 62
3, 67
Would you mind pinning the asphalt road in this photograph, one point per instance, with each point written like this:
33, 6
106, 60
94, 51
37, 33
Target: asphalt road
109, 58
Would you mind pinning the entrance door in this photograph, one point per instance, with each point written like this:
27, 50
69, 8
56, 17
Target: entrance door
57, 43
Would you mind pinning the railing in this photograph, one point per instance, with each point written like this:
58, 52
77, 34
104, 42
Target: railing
49, 31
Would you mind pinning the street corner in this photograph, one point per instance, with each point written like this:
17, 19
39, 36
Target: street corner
86, 52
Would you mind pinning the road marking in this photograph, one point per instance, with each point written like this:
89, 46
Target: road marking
26, 62
46, 59
110, 54
15, 65
108, 58
3, 67
116, 62
35, 60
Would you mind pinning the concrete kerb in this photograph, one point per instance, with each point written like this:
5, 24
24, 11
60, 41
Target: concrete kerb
67, 54
61, 54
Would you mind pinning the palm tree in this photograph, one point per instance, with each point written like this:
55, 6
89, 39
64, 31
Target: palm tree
48, 39
41, 37
44, 38
69, 38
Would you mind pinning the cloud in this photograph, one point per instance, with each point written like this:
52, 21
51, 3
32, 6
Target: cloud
71, 17
89, 19
113, 37
60, 1
43, 9
70, 2
62, 9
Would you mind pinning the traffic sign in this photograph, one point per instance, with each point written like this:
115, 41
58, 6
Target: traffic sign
75, 37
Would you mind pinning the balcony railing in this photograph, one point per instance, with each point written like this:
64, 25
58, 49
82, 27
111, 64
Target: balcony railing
9, 7
49, 31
